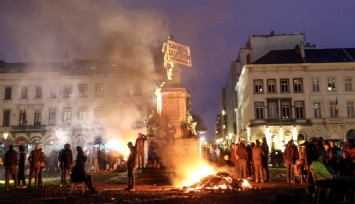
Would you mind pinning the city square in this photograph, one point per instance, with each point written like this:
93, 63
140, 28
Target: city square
179, 102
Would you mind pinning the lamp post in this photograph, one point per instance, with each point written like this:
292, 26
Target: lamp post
202, 139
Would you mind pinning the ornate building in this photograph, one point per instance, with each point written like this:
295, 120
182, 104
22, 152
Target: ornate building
75, 102
297, 94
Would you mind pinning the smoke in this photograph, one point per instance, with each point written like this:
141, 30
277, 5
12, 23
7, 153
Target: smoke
43, 31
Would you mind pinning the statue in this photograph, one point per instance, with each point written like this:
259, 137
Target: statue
152, 123
190, 126
168, 65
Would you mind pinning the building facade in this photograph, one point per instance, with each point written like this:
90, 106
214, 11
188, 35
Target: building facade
256, 47
297, 94
77, 102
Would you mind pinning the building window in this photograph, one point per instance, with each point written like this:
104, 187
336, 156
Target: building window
99, 90
284, 86
8, 91
6, 118
272, 110
350, 109
271, 86
52, 117
24, 91
37, 119
67, 92
259, 110
317, 110
332, 109
22, 118
285, 109
98, 114
297, 85
315, 85
258, 86
67, 116
299, 109
348, 85
82, 114
331, 84
53, 92
83, 90
38, 92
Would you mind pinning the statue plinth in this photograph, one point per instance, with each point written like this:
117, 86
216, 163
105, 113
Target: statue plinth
171, 106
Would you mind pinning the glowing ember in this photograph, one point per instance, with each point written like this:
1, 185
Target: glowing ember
219, 181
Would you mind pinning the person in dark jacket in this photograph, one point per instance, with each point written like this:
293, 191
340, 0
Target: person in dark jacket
10, 164
35, 160
21, 166
65, 159
79, 174
265, 148
131, 164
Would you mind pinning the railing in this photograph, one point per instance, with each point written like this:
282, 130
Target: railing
28, 128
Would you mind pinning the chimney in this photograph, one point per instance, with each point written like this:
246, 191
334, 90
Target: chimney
66, 60
302, 53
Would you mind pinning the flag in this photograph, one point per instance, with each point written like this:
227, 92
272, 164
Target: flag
336, 107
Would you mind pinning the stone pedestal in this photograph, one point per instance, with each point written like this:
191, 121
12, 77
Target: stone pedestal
171, 106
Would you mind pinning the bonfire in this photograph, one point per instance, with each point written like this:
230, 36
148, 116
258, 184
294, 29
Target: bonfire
219, 182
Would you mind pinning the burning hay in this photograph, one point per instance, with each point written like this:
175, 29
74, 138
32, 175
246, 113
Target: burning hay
219, 182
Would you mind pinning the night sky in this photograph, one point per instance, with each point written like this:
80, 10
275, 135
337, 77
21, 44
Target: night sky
214, 30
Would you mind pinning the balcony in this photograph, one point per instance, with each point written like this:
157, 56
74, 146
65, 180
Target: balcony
280, 122
28, 128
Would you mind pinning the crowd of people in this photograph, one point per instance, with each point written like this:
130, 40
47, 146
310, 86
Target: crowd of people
251, 161
14, 163
79, 169
247, 161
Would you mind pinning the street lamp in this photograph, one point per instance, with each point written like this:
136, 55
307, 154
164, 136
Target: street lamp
6, 135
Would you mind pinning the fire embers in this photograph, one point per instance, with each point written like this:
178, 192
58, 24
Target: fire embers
221, 182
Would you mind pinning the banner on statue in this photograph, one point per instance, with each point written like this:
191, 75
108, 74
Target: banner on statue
179, 53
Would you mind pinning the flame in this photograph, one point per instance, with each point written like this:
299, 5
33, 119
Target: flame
118, 145
195, 173
246, 184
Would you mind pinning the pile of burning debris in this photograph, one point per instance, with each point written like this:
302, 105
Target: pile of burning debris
220, 182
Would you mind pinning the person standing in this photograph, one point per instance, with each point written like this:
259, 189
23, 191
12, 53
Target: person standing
41, 166
10, 164
21, 166
79, 174
140, 149
34, 159
65, 159
290, 157
258, 156
265, 148
242, 154
96, 161
131, 164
